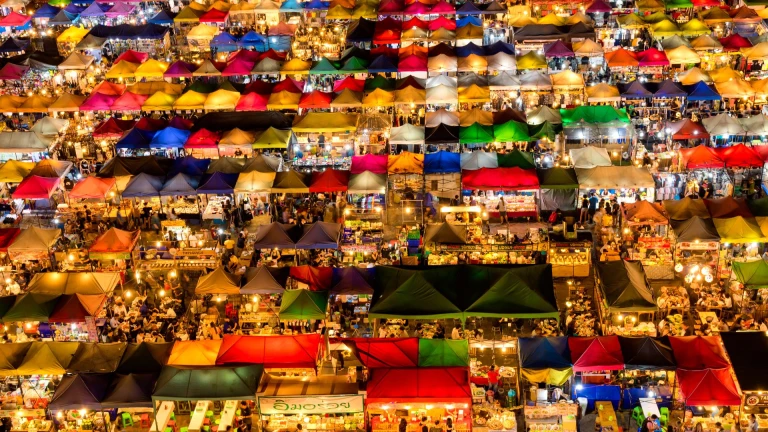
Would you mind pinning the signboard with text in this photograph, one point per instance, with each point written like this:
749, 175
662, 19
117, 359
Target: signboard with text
311, 404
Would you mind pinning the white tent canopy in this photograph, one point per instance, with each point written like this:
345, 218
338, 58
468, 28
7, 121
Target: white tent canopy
590, 157
49, 126
756, 125
441, 116
504, 81
23, 142
478, 159
442, 94
407, 134
614, 177
544, 113
722, 124
535, 80
441, 80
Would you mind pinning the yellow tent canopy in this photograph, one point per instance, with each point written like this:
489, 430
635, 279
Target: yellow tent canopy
682, 55
194, 353
339, 12
587, 48
221, 5
472, 63
567, 79
736, 88
152, 87
706, 43
202, 31
555, 377
190, 100
36, 104
151, 69
475, 115
200, 7
603, 92
222, 100
739, 230
365, 10
283, 100
579, 17
759, 86
206, 69
347, 99
757, 52
693, 76
442, 63
188, 15
553, 19
67, 102
411, 95
123, 69
531, 60
522, 21
694, 27
325, 122
255, 181
10, 103
650, 5
14, 171
160, 101
272, 138
724, 74
296, 66
243, 6
72, 34
631, 21
237, 137
378, 98
441, 35
665, 28
469, 31
474, 94
716, 15
405, 163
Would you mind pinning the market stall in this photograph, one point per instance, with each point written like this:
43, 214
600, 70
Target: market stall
594, 360
649, 363
646, 231
696, 244
625, 300
546, 364
113, 248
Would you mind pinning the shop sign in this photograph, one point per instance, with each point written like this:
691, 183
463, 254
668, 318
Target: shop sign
699, 245
36, 413
311, 404
756, 399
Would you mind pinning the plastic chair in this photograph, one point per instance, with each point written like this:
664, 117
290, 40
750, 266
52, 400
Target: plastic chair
637, 415
168, 429
209, 414
173, 416
217, 422
207, 422
172, 424
127, 419
145, 423
184, 429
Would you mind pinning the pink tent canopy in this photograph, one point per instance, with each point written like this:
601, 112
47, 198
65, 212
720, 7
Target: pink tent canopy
15, 19
129, 102
252, 102
652, 57
391, 7
238, 67
376, 164
412, 63
98, 102
179, 69
443, 7
214, 16
598, 6
244, 54
282, 29
442, 22
132, 56
36, 187
12, 72
416, 8
120, 10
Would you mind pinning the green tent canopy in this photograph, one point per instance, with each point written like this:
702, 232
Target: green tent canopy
355, 65
476, 134
557, 178
324, 67
758, 207
753, 274
593, 114
516, 158
625, 287
443, 352
405, 293
544, 130
303, 304
378, 82
678, 4
11, 356
208, 383
511, 131
517, 293
31, 307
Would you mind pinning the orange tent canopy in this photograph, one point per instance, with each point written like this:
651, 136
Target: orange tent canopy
92, 188
115, 241
195, 353
644, 213
621, 58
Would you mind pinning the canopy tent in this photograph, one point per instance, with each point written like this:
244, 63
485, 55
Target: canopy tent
36, 187
367, 182
143, 186
12, 355
545, 360
403, 385
303, 305
442, 162
194, 353
625, 287
443, 353
33, 242
80, 391
700, 157
614, 177
596, 353
557, 178
695, 229
320, 235
31, 307
57, 283
92, 357
208, 383
478, 160
277, 235
647, 353
738, 229
590, 157
47, 358
698, 352
727, 207
264, 280
740, 156
644, 213
445, 233
145, 358
711, 387
219, 281
385, 353
376, 164
217, 183
500, 179
291, 182
752, 274
352, 280
273, 352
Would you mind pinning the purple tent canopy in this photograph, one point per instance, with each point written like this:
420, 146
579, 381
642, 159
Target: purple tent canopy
120, 10
180, 69
598, 6
557, 49
218, 183
95, 10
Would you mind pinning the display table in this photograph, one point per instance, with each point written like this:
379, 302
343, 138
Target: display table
162, 417
228, 414
606, 416
198, 416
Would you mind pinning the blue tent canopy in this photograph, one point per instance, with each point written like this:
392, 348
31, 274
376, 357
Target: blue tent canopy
143, 185
669, 89
291, 6
636, 91
702, 92
468, 8
475, 21
162, 17
46, 11
382, 64
12, 45
442, 162
315, 5
469, 49
170, 137
280, 43
180, 184
95, 10
498, 47
64, 18
224, 42
135, 139
544, 353
253, 40
218, 183
74, 9
190, 166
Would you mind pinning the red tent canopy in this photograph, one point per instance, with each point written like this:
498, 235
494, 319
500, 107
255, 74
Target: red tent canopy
412, 63
112, 128
238, 66
115, 240
705, 3
708, 387
315, 99
621, 58
203, 138
416, 8
272, 54
385, 353
596, 353
7, 236
244, 54
442, 22
74, 308
376, 164
92, 188
701, 156
653, 57
289, 84
356, 85
330, 180
727, 207
415, 22
762, 151
598, 6
318, 278
698, 352
450, 384
442, 7
214, 16
258, 86
132, 56
14, 19
36, 187
129, 101
740, 156
387, 31
513, 178
735, 42
688, 129
252, 102
109, 88
296, 351
391, 7
150, 124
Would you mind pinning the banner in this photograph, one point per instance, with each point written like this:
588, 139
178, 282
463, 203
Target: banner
311, 404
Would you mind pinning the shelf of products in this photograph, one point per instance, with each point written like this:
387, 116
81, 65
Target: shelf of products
516, 205
487, 418
384, 424
352, 422
22, 424
570, 259
185, 209
362, 231
215, 209
559, 416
